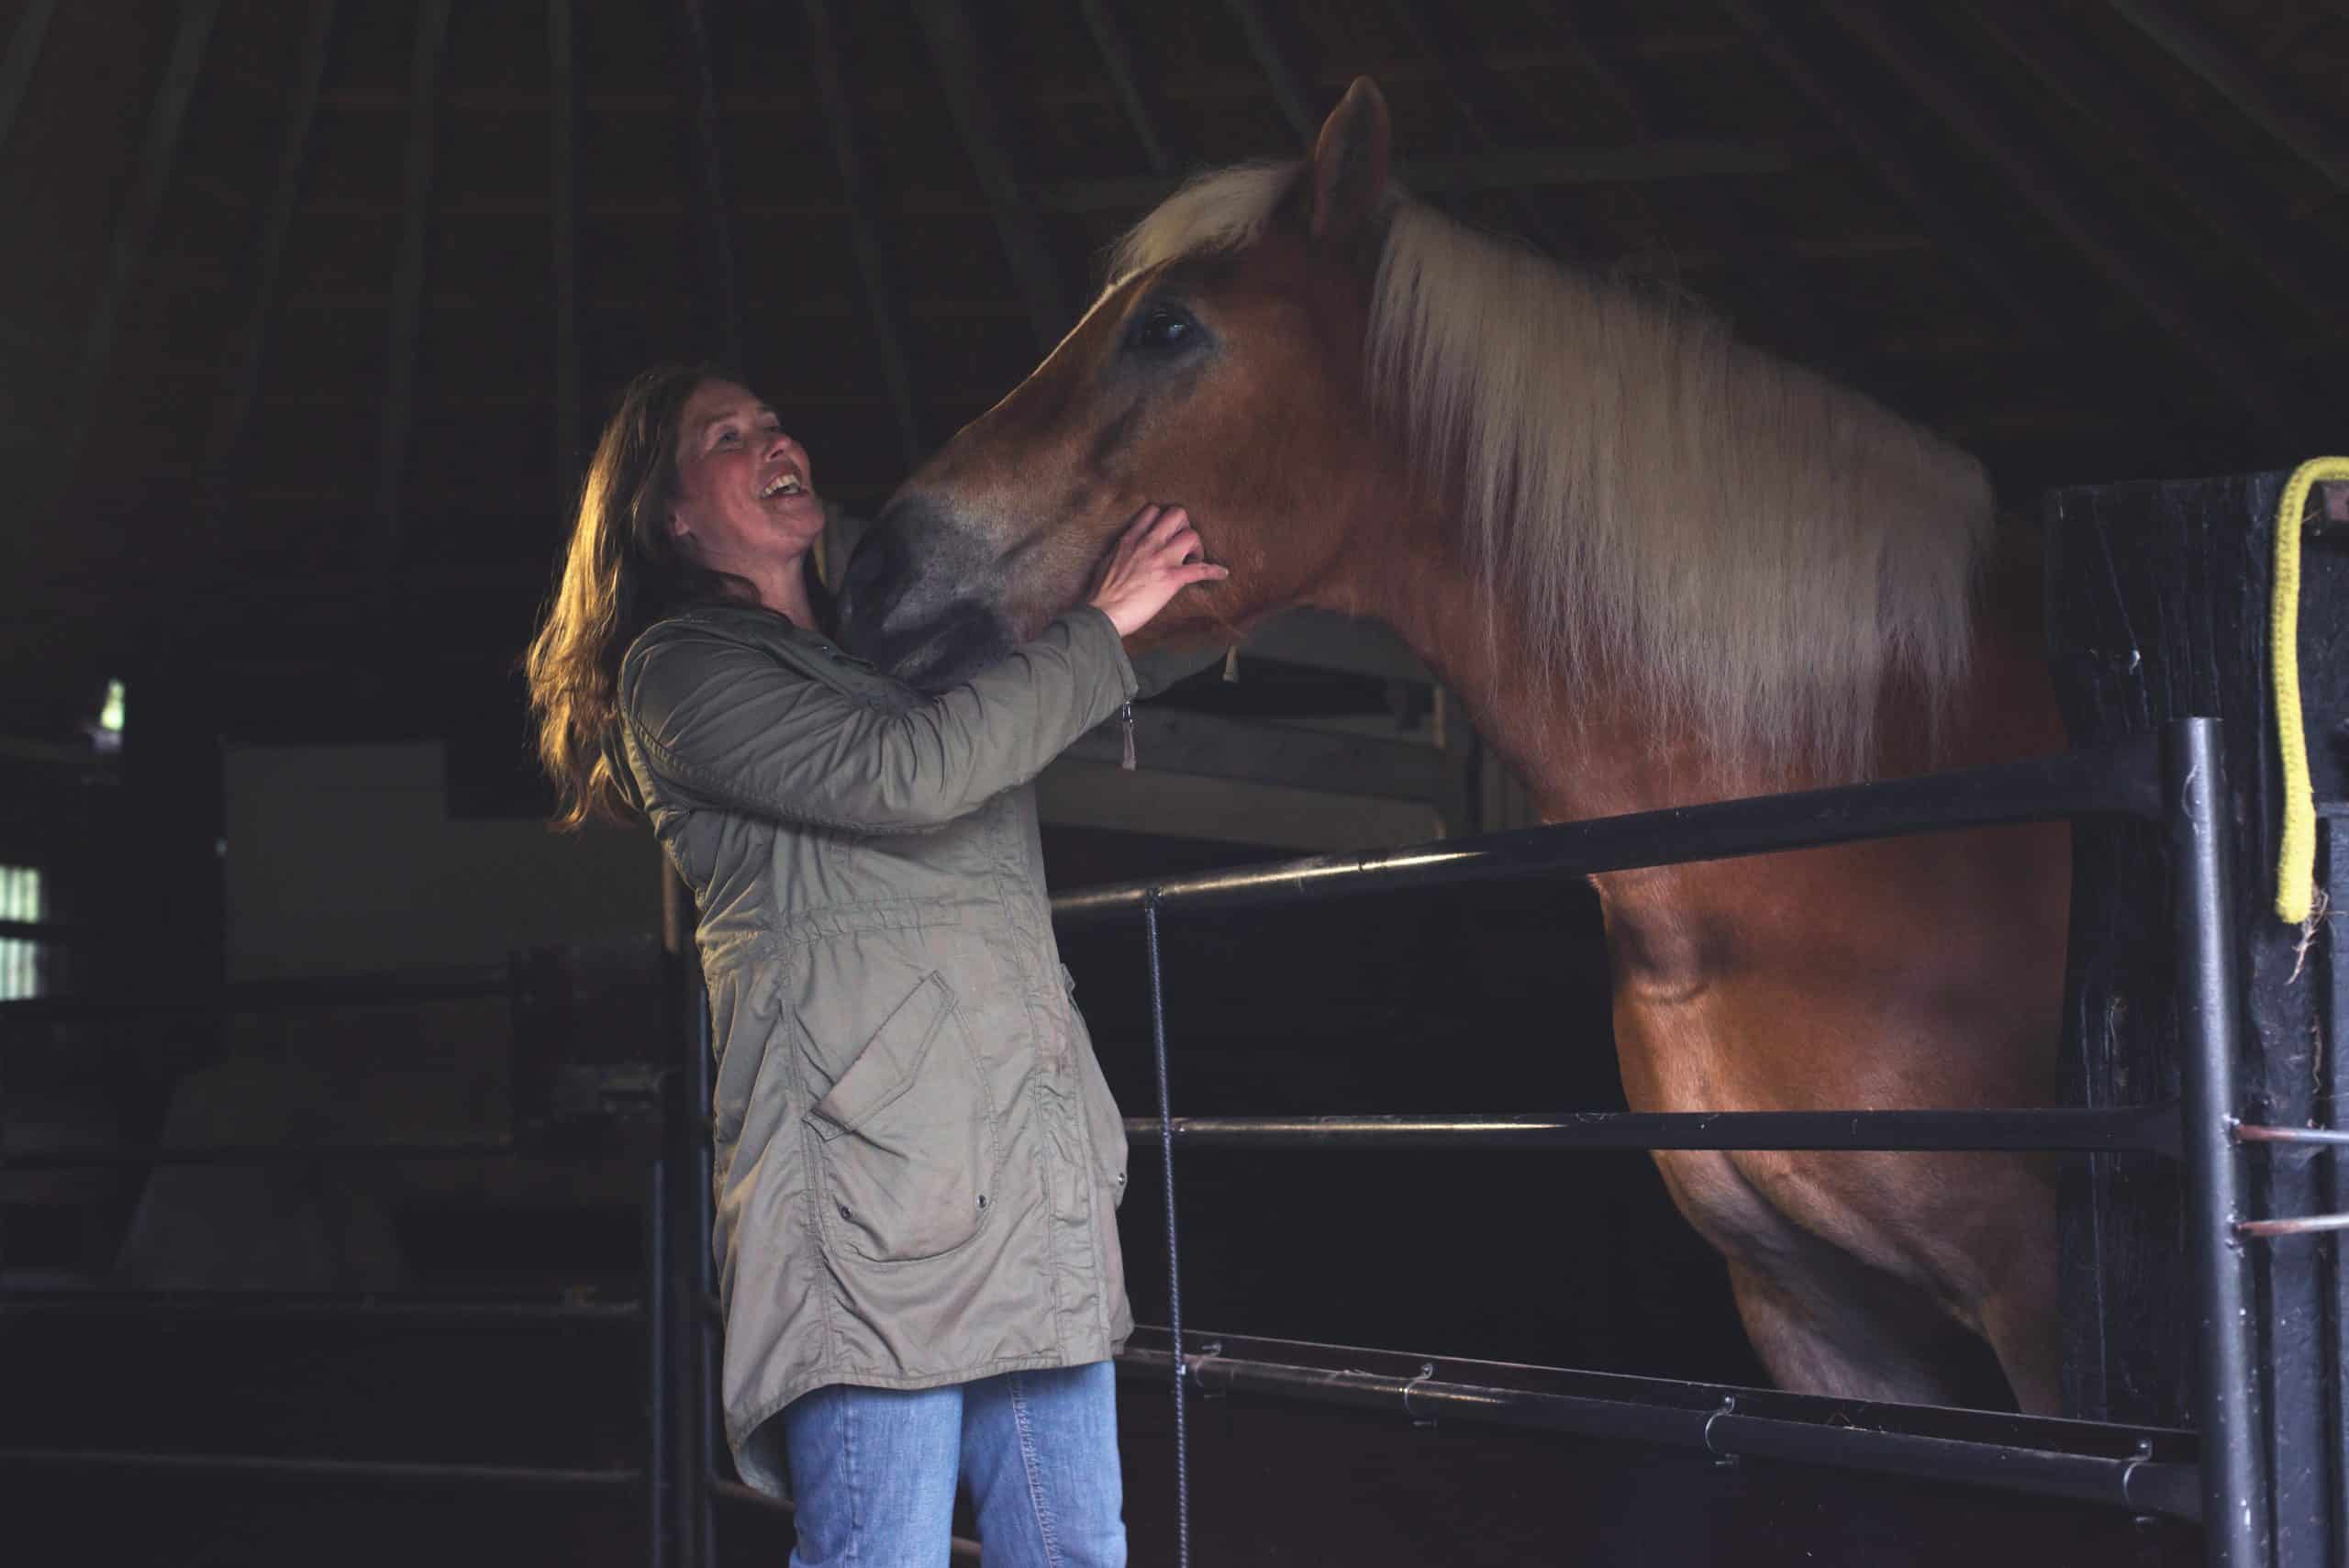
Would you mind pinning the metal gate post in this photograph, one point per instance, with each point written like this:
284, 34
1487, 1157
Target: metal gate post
656, 1360
696, 1329
2235, 1496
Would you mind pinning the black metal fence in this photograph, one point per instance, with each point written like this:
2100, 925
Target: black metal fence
2175, 779
654, 1478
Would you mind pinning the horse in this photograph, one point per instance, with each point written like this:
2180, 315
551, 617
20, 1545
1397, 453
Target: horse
1658, 567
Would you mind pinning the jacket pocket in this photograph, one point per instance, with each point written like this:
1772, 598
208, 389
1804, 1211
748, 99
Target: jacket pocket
1103, 1122
906, 1138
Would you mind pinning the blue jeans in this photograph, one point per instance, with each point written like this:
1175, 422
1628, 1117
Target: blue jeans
873, 1471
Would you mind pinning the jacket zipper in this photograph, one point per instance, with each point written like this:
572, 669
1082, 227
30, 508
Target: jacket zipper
1126, 724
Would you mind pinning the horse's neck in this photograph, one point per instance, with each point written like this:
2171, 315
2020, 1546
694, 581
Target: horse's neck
1584, 748
1576, 750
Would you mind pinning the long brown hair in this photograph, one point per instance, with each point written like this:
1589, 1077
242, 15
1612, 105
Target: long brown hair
623, 571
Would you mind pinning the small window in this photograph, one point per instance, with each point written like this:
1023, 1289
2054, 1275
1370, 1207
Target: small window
20, 957
105, 732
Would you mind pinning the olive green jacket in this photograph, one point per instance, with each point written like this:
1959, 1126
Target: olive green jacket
918, 1162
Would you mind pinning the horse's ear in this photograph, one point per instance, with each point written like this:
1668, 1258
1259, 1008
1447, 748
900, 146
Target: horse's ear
1349, 164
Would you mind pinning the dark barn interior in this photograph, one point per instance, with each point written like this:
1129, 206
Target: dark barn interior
310, 311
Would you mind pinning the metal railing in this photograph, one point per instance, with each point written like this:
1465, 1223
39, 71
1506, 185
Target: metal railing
654, 1477
2175, 779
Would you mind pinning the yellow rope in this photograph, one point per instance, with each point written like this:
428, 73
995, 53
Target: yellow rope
2296, 861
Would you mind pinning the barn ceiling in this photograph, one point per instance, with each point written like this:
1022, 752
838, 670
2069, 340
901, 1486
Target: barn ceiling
308, 307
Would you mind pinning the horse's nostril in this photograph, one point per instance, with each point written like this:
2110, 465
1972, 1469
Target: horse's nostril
876, 571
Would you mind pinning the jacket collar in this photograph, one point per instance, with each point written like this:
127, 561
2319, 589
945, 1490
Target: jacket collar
757, 623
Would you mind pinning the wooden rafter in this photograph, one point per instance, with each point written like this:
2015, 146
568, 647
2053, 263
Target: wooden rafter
880, 299
953, 49
1117, 61
2238, 80
1730, 224
1687, 158
1286, 91
236, 402
709, 192
563, 240
1466, 82
408, 275
2067, 70
133, 229
23, 51
2067, 212
1880, 150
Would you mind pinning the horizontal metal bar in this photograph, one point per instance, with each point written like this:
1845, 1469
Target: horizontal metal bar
269, 1305
51, 933
272, 1467
1212, 747
958, 1548
2088, 1462
456, 984
266, 1154
2149, 1128
2246, 1132
2307, 1225
2121, 778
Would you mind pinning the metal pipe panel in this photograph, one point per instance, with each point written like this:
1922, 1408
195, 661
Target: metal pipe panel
2150, 1128
2235, 1496
2144, 1470
2120, 778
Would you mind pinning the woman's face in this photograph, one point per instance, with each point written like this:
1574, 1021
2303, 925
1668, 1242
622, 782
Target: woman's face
746, 498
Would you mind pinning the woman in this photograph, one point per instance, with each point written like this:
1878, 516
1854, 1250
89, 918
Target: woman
917, 1162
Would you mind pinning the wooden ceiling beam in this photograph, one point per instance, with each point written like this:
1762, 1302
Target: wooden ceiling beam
953, 49
408, 275
1680, 158
865, 243
2239, 81
228, 414
1730, 225
2067, 212
135, 227
2065, 69
1286, 92
1455, 67
563, 248
24, 52
1117, 61
724, 314
1882, 152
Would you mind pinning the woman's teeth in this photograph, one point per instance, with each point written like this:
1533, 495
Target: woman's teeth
783, 484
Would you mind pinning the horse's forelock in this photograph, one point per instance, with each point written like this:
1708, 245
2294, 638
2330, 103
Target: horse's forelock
1222, 210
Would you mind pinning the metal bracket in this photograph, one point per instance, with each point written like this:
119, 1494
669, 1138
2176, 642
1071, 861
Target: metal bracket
1211, 1350
1721, 1458
1427, 1371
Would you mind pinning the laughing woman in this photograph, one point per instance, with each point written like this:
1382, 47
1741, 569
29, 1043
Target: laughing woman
918, 1162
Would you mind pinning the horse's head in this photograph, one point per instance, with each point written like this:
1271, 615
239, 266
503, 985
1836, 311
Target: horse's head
1221, 370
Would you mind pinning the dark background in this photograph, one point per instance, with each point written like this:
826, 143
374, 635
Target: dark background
308, 312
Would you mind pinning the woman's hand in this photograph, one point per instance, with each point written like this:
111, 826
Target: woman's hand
1157, 557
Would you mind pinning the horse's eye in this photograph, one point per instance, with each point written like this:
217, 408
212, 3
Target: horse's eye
1162, 327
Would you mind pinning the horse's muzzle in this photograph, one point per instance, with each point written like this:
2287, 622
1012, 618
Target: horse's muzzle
902, 609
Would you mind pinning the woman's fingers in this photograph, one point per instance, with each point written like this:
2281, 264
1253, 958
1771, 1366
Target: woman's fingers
1157, 556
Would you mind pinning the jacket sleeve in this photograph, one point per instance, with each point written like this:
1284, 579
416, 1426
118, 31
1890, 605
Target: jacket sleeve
725, 725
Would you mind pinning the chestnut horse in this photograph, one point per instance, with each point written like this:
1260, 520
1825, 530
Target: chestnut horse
1658, 567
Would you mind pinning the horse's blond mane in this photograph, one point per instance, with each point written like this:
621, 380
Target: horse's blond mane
1755, 549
